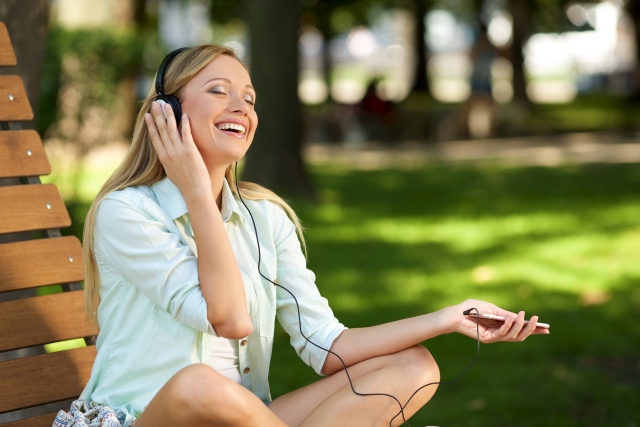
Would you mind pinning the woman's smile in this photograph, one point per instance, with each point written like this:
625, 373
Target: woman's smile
233, 127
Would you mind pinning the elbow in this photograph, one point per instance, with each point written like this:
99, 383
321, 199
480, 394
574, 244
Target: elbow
234, 330
330, 367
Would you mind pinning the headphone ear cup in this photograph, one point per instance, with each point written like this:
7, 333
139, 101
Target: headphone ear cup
175, 106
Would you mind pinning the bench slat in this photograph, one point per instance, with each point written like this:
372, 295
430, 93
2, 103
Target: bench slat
41, 421
7, 56
24, 208
49, 256
45, 378
22, 154
41, 320
14, 104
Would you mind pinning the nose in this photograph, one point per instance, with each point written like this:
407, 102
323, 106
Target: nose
237, 105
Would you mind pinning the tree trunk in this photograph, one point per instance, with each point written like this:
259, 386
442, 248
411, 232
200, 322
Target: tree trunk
275, 159
27, 23
633, 7
520, 13
421, 81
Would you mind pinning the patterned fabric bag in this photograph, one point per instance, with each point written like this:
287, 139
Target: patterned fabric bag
83, 414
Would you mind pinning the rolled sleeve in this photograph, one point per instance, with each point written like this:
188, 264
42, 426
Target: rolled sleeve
142, 246
318, 321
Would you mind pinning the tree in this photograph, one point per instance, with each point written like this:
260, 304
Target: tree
27, 23
633, 7
520, 12
275, 160
421, 81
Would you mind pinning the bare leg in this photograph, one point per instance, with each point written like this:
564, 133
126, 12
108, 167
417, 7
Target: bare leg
198, 396
330, 401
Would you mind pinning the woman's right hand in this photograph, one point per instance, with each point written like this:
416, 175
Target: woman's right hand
178, 153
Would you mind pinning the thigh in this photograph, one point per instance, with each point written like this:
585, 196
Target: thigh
295, 406
331, 401
198, 396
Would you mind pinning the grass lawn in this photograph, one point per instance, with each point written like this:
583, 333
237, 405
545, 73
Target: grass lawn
563, 243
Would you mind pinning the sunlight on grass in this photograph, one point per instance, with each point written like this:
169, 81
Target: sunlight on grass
575, 252
82, 183
64, 345
562, 243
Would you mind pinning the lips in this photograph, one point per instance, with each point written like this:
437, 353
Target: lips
233, 127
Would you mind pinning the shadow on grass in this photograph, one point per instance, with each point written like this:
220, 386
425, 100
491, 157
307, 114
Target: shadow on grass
584, 374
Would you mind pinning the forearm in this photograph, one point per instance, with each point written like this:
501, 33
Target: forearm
218, 271
356, 345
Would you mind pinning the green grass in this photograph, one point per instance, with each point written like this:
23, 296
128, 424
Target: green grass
562, 243
396, 243
588, 112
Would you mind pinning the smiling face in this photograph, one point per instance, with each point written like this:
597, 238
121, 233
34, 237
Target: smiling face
219, 101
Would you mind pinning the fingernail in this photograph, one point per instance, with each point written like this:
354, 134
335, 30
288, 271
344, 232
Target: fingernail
147, 116
154, 105
184, 116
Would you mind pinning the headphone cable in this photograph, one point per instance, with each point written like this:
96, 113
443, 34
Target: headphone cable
402, 407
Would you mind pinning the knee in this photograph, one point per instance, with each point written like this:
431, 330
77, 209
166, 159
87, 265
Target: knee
419, 365
207, 396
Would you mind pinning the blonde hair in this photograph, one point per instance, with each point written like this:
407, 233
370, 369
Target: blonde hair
141, 165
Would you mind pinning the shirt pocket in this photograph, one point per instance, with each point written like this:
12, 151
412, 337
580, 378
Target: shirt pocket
167, 325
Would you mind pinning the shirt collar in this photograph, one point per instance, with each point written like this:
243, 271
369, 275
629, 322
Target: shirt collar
172, 202
229, 203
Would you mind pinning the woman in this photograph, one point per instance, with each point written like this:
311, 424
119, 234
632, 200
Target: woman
185, 330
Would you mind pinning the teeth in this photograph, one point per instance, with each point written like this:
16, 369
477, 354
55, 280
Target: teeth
234, 126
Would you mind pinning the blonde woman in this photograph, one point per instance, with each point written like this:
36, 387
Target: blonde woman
186, 321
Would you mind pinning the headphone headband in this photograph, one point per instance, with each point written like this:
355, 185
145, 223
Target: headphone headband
163, 66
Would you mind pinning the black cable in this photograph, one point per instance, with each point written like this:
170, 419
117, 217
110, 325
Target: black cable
402, 407
459, 376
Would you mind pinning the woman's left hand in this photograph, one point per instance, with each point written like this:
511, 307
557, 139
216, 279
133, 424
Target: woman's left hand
514, 329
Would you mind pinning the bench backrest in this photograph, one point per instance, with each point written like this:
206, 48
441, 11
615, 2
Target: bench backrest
33, 255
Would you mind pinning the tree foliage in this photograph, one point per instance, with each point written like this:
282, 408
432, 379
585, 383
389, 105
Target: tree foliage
98, 59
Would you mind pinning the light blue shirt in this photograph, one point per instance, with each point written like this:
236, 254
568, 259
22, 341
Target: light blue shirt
152, 314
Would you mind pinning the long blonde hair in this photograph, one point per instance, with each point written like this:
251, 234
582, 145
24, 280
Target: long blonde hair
141, 165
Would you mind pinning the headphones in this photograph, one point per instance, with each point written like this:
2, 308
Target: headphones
168, 99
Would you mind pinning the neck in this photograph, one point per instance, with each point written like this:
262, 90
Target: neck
217, 178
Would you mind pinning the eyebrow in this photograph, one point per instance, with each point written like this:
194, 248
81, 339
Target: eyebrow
228, 81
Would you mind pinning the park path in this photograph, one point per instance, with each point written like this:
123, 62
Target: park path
547, 150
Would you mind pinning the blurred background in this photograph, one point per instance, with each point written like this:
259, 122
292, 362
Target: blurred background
435, 151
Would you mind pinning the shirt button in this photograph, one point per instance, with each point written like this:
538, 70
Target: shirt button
246, 370
243, 343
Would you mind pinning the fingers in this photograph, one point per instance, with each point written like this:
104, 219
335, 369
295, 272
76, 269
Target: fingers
528, 329
156, 140
515, 328
506, 326
163, 132
172, 126
541, 331
186, 130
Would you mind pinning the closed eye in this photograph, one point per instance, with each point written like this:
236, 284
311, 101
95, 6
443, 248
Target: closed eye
218, 89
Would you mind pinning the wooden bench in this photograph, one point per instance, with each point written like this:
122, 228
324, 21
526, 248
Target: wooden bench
33, 254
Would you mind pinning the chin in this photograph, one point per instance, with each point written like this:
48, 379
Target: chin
227, 158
